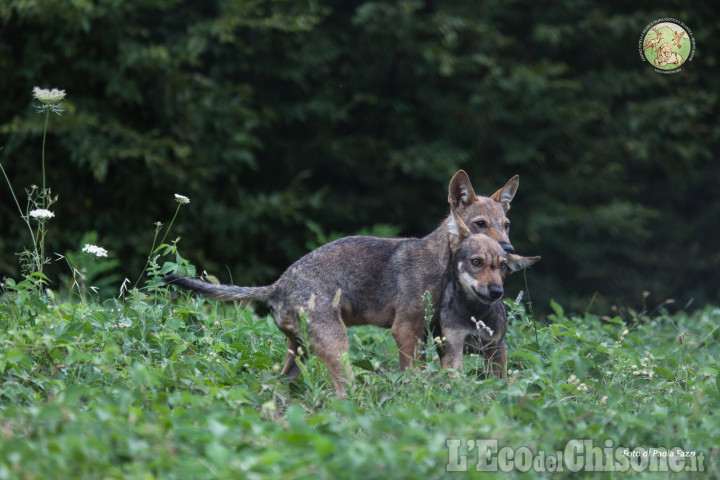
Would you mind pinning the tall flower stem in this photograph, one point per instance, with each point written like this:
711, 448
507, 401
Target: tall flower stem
152, 250
171, 223
44, 196
50, 102
44, 192
182, 200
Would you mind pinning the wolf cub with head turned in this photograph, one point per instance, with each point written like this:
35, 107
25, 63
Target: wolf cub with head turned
473, 317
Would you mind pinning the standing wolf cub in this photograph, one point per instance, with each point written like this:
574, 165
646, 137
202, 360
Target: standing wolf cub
472, 317
368, 281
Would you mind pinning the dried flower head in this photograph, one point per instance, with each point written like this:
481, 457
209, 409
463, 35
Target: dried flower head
311, 304
336, 299
479, 324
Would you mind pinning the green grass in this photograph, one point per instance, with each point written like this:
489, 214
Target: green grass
145, 386
149, 387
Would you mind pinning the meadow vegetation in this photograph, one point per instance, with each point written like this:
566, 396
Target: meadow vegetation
143, 382
151, 386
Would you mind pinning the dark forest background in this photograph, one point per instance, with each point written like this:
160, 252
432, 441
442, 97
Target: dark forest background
289, 123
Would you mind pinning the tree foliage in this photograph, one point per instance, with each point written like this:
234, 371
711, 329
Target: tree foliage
289, 122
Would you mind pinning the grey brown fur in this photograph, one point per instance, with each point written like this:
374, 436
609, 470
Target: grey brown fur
473, 318
367, 280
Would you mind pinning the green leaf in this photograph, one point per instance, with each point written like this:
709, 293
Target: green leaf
365, 364
295, 417
558, 309
218, 453
664, 373
174, 324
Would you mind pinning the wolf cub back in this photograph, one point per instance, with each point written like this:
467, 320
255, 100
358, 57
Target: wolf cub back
367, 281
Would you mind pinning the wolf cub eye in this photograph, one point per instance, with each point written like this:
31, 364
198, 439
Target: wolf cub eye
481, 223
503, 265
507, 226
476, 262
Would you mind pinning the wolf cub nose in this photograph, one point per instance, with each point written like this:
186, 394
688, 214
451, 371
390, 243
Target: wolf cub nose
507, 247
495, 291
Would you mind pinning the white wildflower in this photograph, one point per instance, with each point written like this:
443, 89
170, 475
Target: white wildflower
41, 214
95, 250
48, 96
182, 199
123, 323
50, 99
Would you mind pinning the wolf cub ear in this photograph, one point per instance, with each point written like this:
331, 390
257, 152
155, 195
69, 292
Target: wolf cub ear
507, 193
517, 263
461, 193
457, 230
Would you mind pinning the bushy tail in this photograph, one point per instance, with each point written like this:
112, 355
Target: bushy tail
220, 292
